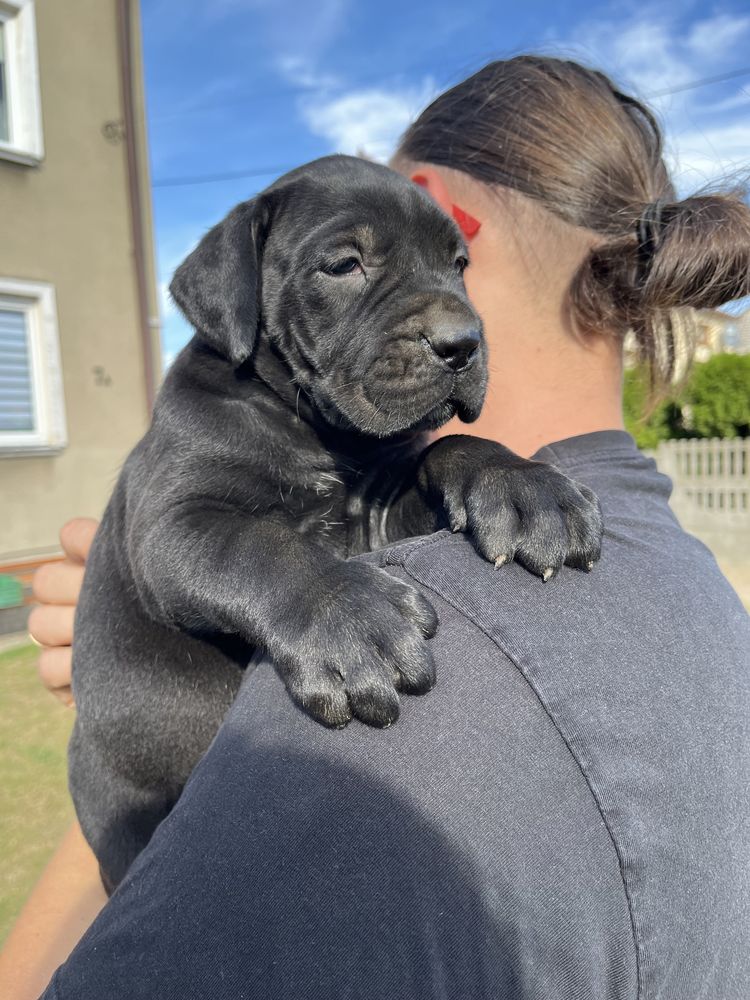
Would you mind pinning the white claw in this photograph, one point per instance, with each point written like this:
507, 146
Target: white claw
589, 566
548, 574
501, 560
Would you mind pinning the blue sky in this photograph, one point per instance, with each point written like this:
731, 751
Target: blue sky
259, 86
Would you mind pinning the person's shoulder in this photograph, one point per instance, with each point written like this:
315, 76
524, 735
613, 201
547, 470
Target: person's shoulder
651, 573
470, 811
641, 667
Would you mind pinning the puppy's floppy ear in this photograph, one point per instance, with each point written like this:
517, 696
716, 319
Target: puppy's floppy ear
217, 286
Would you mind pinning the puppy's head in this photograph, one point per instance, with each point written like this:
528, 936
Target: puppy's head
355, 277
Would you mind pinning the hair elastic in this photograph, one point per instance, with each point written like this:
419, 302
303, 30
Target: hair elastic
648, 230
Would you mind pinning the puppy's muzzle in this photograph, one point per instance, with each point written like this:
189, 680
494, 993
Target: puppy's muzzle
454, 344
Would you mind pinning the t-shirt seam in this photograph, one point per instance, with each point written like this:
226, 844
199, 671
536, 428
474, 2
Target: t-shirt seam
398, 553
606, 452
514, 660
589, 464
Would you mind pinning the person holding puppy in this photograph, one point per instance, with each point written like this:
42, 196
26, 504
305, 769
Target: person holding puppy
565, 815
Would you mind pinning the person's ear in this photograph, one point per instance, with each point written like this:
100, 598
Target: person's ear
217, 287
434, 185
432, 181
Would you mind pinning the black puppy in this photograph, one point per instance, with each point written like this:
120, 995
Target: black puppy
333, 331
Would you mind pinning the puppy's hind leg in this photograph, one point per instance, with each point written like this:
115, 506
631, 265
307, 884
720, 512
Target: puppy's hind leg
117, 816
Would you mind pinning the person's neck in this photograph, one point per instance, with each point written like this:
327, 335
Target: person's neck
538, 395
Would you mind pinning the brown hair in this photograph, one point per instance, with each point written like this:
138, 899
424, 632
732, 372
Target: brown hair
566, 137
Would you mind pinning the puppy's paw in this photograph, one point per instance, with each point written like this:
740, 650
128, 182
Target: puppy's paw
534, 514
366, 644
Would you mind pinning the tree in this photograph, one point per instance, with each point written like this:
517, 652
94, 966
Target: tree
648, 418
716, 401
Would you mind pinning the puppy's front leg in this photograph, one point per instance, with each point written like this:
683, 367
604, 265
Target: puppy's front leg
510, 506
345, 636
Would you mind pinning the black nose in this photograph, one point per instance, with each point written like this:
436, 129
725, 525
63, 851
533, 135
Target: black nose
454, 346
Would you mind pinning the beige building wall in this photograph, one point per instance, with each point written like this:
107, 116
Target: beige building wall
68, 222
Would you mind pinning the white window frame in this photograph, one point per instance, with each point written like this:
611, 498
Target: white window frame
49, 435
25, 141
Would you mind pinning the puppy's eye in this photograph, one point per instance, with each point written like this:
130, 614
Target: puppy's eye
460, 264
342, 268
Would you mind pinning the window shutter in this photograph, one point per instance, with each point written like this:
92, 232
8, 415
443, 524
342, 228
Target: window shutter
16, 393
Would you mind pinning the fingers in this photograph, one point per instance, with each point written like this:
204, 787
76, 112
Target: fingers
76, 537
58, 583
52, 625
57, 587
55, 667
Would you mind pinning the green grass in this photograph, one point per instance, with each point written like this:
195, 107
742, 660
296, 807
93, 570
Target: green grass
35, 808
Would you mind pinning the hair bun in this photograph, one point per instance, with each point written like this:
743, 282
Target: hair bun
701, 253
693, 253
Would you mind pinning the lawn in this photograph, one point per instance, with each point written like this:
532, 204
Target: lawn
35, 808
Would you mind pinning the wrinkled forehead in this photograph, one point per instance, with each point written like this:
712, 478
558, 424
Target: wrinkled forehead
374, 218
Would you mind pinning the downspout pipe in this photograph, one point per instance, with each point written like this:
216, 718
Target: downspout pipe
125, 46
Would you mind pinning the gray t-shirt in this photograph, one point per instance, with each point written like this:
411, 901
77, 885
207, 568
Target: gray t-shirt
567, 815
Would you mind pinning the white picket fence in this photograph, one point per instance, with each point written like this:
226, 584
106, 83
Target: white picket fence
711, 482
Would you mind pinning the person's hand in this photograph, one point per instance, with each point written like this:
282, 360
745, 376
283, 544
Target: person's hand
56, 586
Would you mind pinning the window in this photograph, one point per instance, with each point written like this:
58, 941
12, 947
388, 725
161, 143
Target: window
731, 336
32, 412
20, 104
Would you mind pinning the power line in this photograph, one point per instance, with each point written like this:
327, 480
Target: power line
700, 83
230, 175
273, 171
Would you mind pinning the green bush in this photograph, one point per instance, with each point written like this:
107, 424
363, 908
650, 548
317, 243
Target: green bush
713, 402
649, 422
716, 399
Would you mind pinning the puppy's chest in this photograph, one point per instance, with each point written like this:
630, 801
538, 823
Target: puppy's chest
328, 506
319, 507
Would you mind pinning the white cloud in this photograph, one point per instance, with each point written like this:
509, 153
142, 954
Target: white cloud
708, 137
300, 71
711, 39
298, 34
651, 51
641, 52
739, 100
699, 157
369, 120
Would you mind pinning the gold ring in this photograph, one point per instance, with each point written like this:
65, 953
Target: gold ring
36, 641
